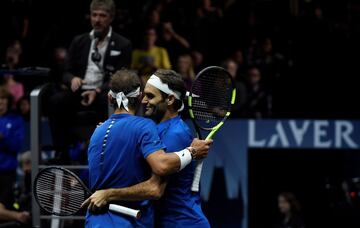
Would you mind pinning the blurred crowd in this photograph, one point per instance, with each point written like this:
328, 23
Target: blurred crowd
265, 45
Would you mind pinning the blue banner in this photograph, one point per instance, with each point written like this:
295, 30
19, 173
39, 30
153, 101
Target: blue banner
231, 143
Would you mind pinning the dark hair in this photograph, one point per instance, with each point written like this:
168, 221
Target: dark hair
4, 93
107, 5
125, 81
175, 82
291, 199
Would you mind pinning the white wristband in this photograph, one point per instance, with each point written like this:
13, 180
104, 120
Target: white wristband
185, 158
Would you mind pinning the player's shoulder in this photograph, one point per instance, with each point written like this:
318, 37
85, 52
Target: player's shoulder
180, 129
142, 121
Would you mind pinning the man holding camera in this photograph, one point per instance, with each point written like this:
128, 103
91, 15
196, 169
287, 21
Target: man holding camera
92, 58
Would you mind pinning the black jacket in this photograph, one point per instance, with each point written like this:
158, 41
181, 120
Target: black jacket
117, 55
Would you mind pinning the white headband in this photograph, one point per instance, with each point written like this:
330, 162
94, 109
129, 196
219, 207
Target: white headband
156, 82
121, 98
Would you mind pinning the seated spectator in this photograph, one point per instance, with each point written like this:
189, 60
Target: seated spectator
150, 57
172, 41
15, 88
198, 60
12, 60
12, 133
272, 64
23, 108
24, 197
238, 57
259, 102
232, 67
185, 68
290, 210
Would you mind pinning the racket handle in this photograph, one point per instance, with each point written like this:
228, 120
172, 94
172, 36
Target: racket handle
125, 210
197, 174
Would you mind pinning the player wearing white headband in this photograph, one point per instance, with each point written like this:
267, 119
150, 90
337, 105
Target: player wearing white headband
118, 152
163, 95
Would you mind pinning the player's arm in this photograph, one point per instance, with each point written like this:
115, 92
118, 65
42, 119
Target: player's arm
9, 215
153, 188
163, 163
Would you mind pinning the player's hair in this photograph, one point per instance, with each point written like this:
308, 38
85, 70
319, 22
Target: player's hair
175, 82
106, 5
4, 93
125, 81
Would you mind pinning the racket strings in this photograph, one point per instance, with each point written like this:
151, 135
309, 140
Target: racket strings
211, 99
59, 192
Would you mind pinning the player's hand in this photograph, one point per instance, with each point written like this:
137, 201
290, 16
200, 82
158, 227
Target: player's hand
96, 201
23, 216
88, 97
76, 82
201, 148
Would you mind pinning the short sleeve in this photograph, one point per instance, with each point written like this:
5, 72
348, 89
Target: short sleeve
149, 140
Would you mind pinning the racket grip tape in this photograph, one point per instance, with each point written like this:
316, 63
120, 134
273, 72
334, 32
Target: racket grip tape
125, 210
197, 174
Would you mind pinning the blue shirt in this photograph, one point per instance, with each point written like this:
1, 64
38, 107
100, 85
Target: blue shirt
12, 129
116, 156
179, 206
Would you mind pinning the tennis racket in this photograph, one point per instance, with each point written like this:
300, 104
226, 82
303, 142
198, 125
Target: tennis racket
210, 101
60, 192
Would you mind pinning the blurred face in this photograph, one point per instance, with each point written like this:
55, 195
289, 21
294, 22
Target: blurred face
154, 17
254, 76
12, 57
26, 166
267, 46
150, 37
3, 105
283, 205
155, 105
24, 107
197, 57
184, 63
232, 68
100, 20
239, 57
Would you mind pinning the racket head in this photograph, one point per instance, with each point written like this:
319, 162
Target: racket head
59, 191
211, 97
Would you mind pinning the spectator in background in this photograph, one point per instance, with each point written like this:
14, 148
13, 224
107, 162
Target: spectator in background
172, 41
206, 27
238, 57
232, 67
290, 210
23, 108
198, 60
149, 57
272, 64
15, 88
12, 61
92, 58
12, 133
259, 102
24, 198
185, 68
58, 65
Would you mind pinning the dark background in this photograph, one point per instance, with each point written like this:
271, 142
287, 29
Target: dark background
314, 176
321, 84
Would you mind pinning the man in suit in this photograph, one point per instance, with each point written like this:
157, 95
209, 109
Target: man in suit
92, 59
